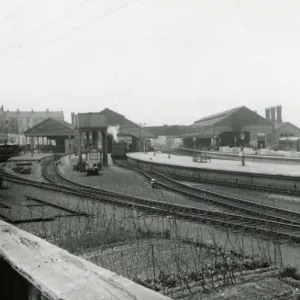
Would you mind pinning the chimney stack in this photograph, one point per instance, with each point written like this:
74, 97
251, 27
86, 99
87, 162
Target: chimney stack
273, 118
279, 114
18, 111
32, 110
47, 110
72, 118
267, 113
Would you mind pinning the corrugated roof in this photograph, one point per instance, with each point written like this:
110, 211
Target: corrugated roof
213, 119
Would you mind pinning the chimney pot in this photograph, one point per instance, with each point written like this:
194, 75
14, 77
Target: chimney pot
267, 113
279, 114
273, 118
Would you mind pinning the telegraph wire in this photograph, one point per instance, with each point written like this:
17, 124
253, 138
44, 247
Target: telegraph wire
80, 27
51, 22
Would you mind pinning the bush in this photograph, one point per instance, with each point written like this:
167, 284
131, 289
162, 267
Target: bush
289, 271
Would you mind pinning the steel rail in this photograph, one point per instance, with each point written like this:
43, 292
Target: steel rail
215, 198
191, 214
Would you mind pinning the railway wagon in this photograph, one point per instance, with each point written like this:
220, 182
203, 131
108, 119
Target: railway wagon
118, 150
9, 150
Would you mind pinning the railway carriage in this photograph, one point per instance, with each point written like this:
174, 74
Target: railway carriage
9, 150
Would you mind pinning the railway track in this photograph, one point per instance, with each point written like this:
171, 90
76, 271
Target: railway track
292, 191
286, 230
240, 185
233, 203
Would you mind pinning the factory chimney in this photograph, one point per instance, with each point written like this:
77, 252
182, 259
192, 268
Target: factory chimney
267, 113
273, 118
279, 114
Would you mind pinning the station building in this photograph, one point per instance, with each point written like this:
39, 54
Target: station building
13, 124
235, 127
58, 133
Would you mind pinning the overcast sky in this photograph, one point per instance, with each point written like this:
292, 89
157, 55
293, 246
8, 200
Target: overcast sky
155, 61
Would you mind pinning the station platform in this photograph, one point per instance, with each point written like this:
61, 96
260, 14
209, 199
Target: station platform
37, 157
217, 164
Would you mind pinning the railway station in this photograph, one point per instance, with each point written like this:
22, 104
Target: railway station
145, 198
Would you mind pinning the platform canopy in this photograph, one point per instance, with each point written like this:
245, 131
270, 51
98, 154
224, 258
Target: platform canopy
105, 118
51, 128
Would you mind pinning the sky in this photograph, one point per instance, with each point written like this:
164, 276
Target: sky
154, 61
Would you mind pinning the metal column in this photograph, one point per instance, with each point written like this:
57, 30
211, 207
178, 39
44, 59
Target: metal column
79, 149
69, 140
104, 147
87, 137
95, 138
31, 146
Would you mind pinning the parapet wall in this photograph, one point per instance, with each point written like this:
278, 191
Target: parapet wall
31, 268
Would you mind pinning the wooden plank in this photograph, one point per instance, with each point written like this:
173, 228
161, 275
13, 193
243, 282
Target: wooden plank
61, 275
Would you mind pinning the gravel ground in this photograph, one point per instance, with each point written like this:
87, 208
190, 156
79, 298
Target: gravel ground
275, 200
128, 182
36, 171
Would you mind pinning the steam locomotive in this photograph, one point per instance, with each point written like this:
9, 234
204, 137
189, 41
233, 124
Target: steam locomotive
118, 150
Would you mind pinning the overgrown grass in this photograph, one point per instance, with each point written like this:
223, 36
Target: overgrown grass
161, 253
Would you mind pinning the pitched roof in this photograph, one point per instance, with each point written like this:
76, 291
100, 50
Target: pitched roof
213, 119
167, 130
51, 127
233, 118
127, 127
34, 114
282, 124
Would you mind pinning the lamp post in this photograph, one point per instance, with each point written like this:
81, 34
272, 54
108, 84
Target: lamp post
141, 126
242, 136
194, 140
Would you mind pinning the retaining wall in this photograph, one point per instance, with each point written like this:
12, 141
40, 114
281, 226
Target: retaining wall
289, 182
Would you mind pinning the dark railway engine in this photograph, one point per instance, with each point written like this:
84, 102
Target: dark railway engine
119, 150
